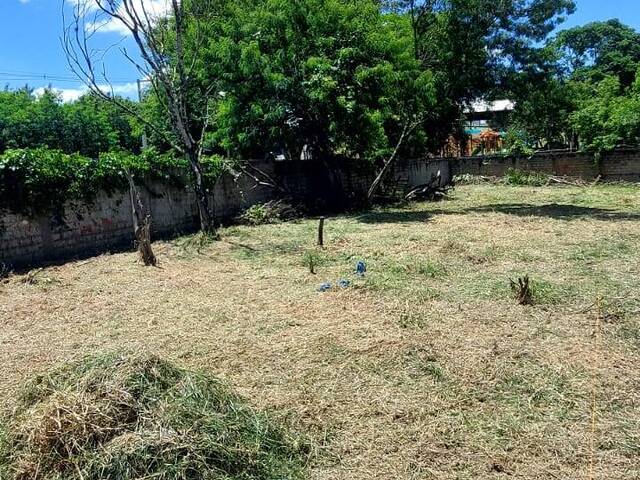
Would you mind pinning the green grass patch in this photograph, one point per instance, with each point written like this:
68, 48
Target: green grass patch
601, 249
422, 362
629, 332
548, 293
516, 177
420, 267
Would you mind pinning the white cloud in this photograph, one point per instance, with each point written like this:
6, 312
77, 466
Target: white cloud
72, 94
67, 94
124, 89
106, 24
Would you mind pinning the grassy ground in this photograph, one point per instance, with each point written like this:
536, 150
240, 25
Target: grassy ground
426, 368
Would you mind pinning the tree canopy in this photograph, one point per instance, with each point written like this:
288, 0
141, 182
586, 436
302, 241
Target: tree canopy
337, 77
344, 78
88, 126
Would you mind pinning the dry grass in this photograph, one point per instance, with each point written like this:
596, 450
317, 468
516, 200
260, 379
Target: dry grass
426, 368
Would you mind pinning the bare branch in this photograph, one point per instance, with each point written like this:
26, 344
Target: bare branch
162, 64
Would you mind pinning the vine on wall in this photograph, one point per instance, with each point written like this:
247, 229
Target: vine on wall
40, 180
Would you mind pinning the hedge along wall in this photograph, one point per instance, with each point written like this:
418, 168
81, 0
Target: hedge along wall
82, 229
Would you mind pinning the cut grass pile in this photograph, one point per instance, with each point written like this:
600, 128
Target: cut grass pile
426, 368
125, 416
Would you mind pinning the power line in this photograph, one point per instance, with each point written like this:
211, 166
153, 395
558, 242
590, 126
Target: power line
50, 75
25, 76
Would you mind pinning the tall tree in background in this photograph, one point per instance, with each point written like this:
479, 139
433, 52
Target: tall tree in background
484, 49
358, 78
160, 31
595, 50
583, 91
479, 44
314, 78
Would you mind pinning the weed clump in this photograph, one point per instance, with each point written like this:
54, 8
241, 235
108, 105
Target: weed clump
312, 259
522, 290
537, 292
517, 177
123, 417
196, 243
271, 212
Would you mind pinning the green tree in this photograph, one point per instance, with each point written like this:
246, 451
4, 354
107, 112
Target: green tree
88, 126
14, 118
327, 76
344, 77
607, 115
583, 91
94, 126
598, 49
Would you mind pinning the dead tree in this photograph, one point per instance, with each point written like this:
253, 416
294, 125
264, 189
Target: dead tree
164, 62
141, 226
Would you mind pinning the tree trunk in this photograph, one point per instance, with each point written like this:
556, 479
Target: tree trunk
388, 164
207, 223
141, 226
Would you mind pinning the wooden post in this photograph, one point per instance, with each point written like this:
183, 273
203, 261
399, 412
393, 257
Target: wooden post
321, 232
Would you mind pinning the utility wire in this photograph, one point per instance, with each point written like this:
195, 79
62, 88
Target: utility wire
22, 76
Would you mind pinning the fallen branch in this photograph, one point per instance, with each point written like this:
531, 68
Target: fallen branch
434, 190
261, 178
565, 181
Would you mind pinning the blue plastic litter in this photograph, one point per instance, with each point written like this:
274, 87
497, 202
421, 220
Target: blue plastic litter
344, 283
324, 287
361, 268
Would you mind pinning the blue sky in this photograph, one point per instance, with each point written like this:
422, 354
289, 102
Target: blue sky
30, 42
30, 48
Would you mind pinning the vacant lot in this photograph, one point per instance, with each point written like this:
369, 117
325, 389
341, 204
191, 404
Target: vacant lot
425, 368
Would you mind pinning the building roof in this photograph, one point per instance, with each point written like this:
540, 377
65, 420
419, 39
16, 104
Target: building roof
481, 106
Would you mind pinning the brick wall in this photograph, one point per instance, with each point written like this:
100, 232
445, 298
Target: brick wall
82, 230
86, 229
617, 165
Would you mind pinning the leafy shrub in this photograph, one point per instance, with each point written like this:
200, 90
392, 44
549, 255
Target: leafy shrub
516, 142
271, 212
256, 215
123, 417
516, 177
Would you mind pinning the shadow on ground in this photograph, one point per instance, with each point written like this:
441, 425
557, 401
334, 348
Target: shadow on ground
395, 216
553, 210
